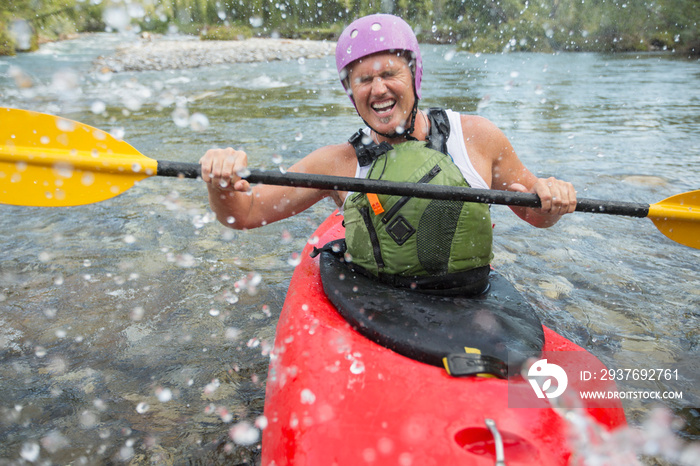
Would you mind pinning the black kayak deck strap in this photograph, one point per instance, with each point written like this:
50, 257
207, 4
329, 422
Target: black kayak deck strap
428, 328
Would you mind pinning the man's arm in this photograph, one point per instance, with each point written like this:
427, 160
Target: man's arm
495, 159
238, 205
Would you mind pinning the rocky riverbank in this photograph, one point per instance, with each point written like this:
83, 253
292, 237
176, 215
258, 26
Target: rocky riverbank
163, 54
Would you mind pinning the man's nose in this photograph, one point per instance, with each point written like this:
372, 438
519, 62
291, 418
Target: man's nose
378, 85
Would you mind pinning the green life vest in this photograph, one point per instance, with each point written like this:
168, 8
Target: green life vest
415, 237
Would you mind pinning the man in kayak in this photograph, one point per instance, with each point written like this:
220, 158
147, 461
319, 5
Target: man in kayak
401, 241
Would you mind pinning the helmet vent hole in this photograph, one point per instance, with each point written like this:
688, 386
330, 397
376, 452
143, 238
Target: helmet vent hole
376, 26
354, 33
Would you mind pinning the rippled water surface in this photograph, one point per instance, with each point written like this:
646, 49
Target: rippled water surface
138, 329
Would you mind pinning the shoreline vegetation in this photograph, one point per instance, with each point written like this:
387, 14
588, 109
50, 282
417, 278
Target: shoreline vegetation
486, 26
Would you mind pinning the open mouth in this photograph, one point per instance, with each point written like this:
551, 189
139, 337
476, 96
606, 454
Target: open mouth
384, 107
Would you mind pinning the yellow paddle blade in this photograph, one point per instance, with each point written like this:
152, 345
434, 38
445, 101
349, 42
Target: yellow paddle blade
50, 161
678, 217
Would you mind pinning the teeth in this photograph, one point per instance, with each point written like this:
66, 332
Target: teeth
384, 105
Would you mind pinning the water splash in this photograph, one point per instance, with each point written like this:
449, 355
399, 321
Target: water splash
244, 433
164, 394
181, 117
142, 408
593, 445
199, 122
30, 451
307, 397
116, 18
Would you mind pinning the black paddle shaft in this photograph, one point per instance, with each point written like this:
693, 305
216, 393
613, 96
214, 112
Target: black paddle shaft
422, 190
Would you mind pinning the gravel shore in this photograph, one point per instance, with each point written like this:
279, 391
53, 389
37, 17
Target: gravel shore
181, 54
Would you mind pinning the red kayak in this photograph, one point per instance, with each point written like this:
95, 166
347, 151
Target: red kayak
335, 397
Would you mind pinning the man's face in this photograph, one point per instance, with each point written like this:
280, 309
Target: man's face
382, 88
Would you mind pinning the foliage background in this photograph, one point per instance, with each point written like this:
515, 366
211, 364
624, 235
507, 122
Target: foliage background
475, 25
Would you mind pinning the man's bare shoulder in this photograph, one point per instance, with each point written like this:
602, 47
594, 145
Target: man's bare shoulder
484, 136
474, 126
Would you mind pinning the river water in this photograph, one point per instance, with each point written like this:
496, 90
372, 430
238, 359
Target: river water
138, 329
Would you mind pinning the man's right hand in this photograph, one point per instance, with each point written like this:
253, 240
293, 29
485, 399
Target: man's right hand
220, 169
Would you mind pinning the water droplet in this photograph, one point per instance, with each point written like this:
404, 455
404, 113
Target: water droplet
181, 117
256, 21
118, 133
230, 297
164, 394
357, 367
98, 107
40, 351
137, 313
307, 397
244, 433
115, 18
30, 451
65, 125
214, 312
199, 122
232, 333
185, 260
298, 137
88, 419
65, 82
277, 159
294, 259
286, 237
54, 441
261, 422
135, 10
63, 169
21, 31
126, 452
212, 386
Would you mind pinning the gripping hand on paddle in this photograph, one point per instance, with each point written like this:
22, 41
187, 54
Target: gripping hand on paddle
227, 190
557, 197
221, 168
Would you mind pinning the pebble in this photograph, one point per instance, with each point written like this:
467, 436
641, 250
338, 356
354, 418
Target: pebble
169, 54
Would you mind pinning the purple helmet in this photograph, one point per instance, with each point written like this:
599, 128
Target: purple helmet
377, 33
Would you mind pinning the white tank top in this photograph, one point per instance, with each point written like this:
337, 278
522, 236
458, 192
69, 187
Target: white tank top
455, 149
